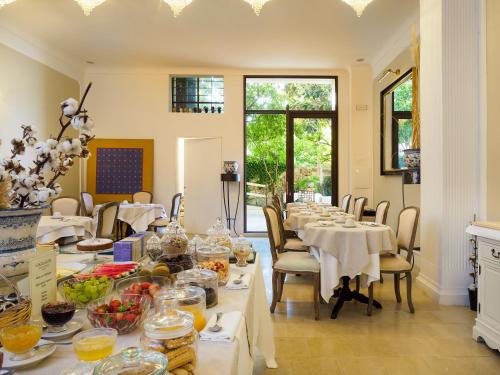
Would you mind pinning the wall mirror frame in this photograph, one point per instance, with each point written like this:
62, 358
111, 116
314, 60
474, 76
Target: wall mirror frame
395, 123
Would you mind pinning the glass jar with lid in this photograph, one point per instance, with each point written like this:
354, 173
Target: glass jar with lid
205, 279
191, 299
242, 248
153, 247
219, 235
133, 361
174, 242
171, 331
215, 258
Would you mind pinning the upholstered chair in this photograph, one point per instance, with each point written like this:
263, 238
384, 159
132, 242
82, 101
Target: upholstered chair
285, 262
381, 212
359, 208
87, 203
346, 202
144, 197
278, 205
396, 264
106, 220
67, 206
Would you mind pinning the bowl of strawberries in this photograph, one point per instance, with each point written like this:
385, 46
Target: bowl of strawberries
124, 314
142, 286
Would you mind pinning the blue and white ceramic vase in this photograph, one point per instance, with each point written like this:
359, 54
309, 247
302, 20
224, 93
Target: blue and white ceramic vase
18, 228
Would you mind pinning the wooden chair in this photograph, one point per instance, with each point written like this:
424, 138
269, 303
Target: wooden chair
359, 208
396, 264
87, 203
106, 220
278, 205
144, 197
67, 206
381, 212
176, 206
288, 262
346, 202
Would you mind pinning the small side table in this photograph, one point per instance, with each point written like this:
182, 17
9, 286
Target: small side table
227, 179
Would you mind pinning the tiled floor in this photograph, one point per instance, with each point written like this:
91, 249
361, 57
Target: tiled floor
435, 340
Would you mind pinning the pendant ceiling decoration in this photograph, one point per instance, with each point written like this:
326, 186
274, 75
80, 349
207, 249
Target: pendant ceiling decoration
5, 2
89, 5
257, 5
358, 5
178, 5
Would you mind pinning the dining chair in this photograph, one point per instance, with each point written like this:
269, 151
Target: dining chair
176, 206
106, 220
279, 208
144, 197
381, 212
346, 201
359, 208
67, 206
87, 203
396, 264
288, 262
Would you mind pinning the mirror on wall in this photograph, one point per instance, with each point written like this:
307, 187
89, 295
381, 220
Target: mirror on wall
396, 124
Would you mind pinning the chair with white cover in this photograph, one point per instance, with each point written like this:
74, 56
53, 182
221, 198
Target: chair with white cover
359, 208
381, 212
176, 206
285, 262
396, 264
346, 201
143, 197
87, 203
67, 206
106, 220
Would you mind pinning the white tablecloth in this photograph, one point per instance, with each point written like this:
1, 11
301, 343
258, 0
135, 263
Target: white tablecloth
348, 251
138, 216
297, 220
50, 229
214, 358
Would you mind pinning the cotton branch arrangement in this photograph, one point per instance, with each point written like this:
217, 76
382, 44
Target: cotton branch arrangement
33, 183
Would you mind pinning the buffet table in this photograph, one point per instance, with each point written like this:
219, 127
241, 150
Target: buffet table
51, 229
214, 358
138, 216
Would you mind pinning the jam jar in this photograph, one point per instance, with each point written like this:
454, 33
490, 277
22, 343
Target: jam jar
215, 258
205, 279
219, 235
171, 331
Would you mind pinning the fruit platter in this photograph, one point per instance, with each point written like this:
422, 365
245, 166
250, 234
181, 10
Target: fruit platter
124, 314
116, 270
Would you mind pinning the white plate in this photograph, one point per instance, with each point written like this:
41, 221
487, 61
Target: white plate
73, 327
40, 354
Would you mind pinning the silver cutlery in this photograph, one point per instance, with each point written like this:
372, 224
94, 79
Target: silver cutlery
216, 327
239, 280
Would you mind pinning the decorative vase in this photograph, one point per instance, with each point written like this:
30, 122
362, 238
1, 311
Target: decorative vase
18, 228
412, 158
231, 166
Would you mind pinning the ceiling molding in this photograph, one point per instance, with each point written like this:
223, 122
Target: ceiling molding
41, 52
401, 40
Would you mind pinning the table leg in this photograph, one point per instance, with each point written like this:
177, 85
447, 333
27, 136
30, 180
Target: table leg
345, 294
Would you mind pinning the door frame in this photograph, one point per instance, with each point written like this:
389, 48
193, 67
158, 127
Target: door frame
334, 115
290, 150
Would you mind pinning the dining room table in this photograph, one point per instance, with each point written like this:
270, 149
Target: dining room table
253, 334
51, 228
298, 218
138, 215
346, 251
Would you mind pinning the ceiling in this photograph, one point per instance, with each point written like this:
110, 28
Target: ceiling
294, 34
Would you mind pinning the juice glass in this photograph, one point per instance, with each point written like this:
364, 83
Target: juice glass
94, 344
19, 339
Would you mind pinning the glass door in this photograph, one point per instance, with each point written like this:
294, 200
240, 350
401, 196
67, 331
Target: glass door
312, 158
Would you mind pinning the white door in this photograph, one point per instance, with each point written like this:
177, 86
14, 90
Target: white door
202, 186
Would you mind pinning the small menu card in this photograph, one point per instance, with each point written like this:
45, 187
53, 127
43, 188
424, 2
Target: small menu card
42, 280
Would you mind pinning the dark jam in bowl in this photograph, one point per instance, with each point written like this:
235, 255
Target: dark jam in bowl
59, 313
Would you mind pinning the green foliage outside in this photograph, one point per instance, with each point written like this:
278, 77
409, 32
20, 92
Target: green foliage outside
266, 136
403, 101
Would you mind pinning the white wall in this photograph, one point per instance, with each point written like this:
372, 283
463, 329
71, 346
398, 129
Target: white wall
135, 104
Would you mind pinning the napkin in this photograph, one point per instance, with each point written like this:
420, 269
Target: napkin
229, 323
245, 281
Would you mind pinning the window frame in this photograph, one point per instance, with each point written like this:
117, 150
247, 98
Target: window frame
197, 103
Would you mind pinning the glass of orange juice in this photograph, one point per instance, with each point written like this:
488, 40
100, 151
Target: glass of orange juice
94, 344
19, 339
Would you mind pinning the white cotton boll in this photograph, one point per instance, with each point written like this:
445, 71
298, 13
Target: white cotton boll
28, 181
31, 141
42, 148
52, 143
69, 107
43, 195
33, 198
66, 147
88, 124
76, 142
77, 122
22, 191
54, 154
57, 188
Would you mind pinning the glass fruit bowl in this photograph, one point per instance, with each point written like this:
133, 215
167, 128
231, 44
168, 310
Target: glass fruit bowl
142, 285
124, 314
84, 291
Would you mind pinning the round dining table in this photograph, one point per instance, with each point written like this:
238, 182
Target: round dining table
51, 228
139, 216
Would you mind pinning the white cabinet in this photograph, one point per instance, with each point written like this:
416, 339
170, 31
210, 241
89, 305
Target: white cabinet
487, 326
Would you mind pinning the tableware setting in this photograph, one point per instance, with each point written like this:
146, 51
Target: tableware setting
222, 327
239, 281
349, 223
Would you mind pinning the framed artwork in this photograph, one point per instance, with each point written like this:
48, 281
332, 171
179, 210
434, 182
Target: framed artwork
117, 168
